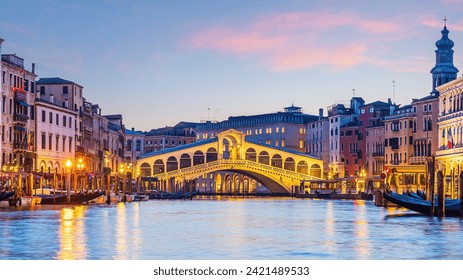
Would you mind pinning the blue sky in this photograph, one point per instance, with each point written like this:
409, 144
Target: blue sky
161, 62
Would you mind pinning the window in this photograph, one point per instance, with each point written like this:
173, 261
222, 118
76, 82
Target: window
42, 90
424, 108
70, 122
57, 143
429, 108
65, 89
44, 141
57, 119
3, 103
32, 112
50, 116
64, 143
64, 121
43, 115
70, 145
50, 137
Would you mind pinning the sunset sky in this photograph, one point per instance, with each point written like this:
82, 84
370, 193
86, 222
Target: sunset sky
161, 62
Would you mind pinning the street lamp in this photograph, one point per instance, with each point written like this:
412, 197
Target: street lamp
80, 166
122, 171
68, 180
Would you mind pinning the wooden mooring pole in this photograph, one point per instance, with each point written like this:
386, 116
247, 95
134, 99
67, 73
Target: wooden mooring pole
431, 172
440, 194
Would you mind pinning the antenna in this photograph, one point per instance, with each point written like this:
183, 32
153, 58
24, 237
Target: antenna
353, 92
393, 91
445, 21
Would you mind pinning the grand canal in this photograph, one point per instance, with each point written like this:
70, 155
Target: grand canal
227, 228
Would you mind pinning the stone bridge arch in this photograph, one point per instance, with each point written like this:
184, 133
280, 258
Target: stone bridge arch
277, 168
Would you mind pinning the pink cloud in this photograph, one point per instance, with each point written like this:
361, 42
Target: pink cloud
293, 41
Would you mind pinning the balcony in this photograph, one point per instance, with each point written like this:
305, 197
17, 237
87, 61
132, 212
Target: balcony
20, 145
20, 119
378, 154
418, 160
80, 149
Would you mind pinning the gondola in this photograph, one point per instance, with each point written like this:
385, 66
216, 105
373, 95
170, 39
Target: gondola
6, 195
75, 198
167, 195
418, 204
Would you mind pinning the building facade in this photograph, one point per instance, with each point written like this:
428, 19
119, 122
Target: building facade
18, 125
449, 155
317, 143
55, 139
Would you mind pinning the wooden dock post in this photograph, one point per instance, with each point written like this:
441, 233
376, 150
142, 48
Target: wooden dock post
440, 194
461, 194
431, 174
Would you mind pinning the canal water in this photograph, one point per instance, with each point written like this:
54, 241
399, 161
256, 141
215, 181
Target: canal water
227, 228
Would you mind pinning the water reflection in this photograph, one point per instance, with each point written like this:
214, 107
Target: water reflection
135, 236
72, 234
228, 229
121, 232
362, 239
330, 228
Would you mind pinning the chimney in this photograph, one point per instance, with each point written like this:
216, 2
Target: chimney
33, 68
133, 129
52, 98
389, 101
320, 113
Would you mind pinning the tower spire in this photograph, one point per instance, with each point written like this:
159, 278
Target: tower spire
444, 71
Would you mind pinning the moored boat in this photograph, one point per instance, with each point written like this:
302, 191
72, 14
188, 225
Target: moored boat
418, 204
6, 195
168, 195
30, 200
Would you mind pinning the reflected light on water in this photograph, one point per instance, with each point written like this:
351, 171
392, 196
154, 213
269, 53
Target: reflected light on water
363, 246
330, 228
136, 234
72, 234
121, 232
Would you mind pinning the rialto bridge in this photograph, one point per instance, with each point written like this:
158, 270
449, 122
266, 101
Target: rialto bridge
276, 168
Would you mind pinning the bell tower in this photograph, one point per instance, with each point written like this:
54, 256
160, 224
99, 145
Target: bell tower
444, 71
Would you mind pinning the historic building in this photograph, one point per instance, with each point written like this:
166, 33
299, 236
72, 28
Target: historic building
411, 133
169, 137
116, 140
374, 153
18, 125
339, 115
134, 144
55, 139
285, 130
371, 140
317, 133
69, 95
449, 155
